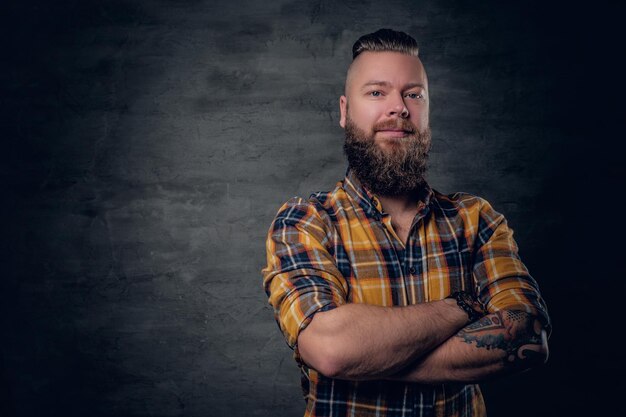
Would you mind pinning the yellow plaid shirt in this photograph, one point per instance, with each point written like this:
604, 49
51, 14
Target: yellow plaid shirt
339, 247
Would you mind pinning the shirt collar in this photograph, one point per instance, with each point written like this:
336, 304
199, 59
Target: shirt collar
370, 203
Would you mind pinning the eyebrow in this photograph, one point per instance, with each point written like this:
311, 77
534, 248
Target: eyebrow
388, 84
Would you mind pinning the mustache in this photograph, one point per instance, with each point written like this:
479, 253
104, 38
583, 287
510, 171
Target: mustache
399, 124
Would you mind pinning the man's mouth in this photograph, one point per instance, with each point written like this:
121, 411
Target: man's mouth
395, 133
395, 128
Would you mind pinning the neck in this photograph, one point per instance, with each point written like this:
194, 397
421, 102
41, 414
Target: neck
402, 204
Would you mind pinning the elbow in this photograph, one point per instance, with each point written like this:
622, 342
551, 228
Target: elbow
535, 354
544, 350
329, 364
321, 351
530, 346
323, 357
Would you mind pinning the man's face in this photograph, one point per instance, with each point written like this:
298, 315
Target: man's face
384, 90
385, 115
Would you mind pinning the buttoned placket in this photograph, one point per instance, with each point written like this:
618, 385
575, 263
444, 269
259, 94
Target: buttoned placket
415, 256
408, 261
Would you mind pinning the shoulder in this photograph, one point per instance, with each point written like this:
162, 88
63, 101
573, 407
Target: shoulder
294, 207
468, 212
303, 213
460, 203
321, 209
295, 211
323, 204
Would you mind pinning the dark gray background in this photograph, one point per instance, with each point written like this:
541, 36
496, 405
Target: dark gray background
147, 145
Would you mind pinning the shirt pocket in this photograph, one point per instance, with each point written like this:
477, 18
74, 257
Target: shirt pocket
449, 272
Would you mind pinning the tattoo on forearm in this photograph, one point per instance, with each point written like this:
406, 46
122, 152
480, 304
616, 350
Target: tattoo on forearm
517, 333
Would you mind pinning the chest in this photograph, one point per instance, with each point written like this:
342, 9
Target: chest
403, 264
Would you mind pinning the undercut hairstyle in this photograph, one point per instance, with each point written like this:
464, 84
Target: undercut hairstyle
385, 40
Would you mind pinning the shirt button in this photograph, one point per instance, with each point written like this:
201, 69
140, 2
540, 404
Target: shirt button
412, 270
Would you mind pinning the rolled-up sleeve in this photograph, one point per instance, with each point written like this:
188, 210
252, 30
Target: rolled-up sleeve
301, 277
503, 281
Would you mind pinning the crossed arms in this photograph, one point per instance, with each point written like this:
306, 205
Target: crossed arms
425, 343
428, 342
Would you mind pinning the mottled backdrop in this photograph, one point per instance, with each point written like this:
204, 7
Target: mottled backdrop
146, 146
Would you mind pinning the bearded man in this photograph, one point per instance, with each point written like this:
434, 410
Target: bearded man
396, 299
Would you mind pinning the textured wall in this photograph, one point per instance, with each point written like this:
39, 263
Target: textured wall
148, 144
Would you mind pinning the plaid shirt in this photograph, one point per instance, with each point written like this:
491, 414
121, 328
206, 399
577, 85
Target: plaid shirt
339, 247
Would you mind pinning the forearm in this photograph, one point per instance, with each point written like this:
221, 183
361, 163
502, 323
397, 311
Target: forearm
500, 343
359, 341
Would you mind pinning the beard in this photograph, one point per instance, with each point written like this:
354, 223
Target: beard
397, 170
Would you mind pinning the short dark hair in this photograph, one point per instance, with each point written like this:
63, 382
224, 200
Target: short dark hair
385, 40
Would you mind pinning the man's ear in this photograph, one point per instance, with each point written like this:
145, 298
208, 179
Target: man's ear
343, 111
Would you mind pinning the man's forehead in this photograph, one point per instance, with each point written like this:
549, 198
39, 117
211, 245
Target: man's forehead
382, 83
378, 67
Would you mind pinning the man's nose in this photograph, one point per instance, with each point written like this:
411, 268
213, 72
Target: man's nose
398, 108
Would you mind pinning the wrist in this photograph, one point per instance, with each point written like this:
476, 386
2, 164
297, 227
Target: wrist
469, 304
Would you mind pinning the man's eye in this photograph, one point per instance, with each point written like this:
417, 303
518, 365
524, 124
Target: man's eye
414, 95
375, 93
